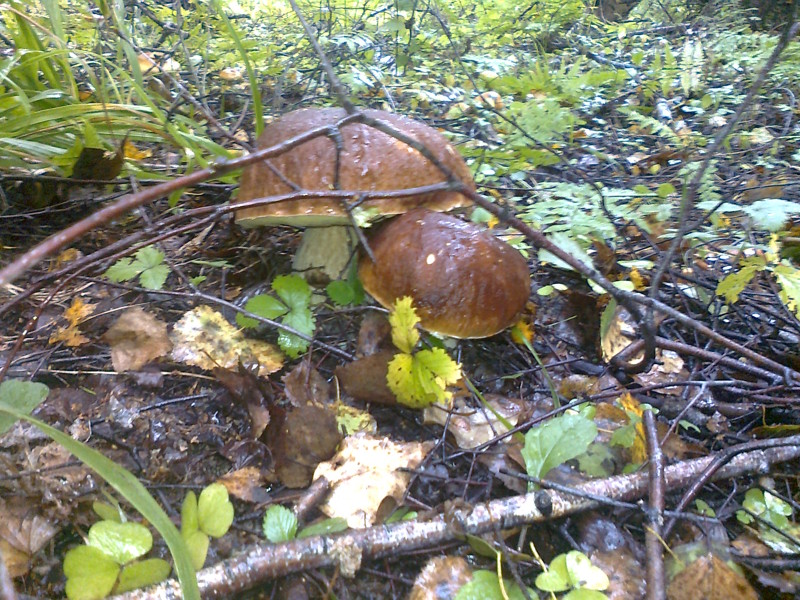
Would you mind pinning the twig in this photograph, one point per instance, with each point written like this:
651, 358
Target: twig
656, 581
263, 562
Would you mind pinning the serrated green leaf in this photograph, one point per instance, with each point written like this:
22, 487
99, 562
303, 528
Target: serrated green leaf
214, 510
293, 290
263, 306
149, 257
324, 527
122, 270
597, 461
91, 574
154, 277
553, 443
197, 542
123, 542
280, 524
341, 292
302, 320
23, 396
189, 522
788, 279
403, 320
142, 573
422, 379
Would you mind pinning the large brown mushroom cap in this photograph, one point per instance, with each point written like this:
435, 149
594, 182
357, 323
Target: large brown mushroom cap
464, 282
371, 161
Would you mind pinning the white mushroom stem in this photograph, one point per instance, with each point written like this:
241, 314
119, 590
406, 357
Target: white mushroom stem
325, 251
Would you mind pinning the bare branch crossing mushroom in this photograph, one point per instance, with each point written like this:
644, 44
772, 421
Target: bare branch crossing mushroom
370, 160
465, 282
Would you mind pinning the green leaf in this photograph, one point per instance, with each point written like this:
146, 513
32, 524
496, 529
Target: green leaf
624, 436
665, 189
597, 461
293, 290
324, 527
789, 279
214, 510
142, 573
149, 257
485, 585
582, 573
122, 270
341, 292
403, 320
23, 396
772, 213
302, 320
568, 245
556, 578
422, 379
107, 512
197, 542
704, 509
153, 278
123, 542
555, 442
189, 521
263, 306
584, 594
91, 575
130, 488
280, 524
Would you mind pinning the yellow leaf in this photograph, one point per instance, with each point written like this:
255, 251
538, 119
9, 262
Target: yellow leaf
403, 321
637, 280
78, 311
133, 153
639, 448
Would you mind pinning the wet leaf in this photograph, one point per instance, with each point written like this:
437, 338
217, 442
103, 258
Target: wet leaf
23, 396
555, 442
214, 510
142, 573
91, 574
136, 338
280, 524
122, 542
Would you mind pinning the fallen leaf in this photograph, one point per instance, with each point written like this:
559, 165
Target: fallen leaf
365, 472
244, 387
305, 386
136, 338
205, 339
23, 532
441, 577
473, 426
76, 314
364, 379
246, 484
710, 578
300, 437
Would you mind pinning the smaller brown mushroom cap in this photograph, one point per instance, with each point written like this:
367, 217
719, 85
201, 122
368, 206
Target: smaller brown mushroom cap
464, 282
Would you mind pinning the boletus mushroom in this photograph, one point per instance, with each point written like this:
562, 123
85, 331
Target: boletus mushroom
369, 160
464, 281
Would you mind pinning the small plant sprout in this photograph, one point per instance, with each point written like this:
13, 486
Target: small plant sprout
575, 574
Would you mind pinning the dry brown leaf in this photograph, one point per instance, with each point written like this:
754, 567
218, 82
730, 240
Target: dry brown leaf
136, 338
205, 339
305, 386
244, 387
472, 426
245, 484
365, 472
710, 578
364, 379
300, 437
441, 577
23, 532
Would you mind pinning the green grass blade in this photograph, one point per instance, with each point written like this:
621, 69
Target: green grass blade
134, 492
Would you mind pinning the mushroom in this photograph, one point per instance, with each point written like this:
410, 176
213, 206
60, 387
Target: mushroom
370, 160
464, 282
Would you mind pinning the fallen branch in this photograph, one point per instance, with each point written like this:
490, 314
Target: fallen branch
264, 562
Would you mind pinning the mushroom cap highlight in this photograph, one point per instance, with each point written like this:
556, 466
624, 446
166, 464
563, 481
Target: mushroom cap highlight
464, 282
371, 160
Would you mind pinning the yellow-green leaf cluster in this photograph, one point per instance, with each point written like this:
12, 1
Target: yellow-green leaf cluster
417, 378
